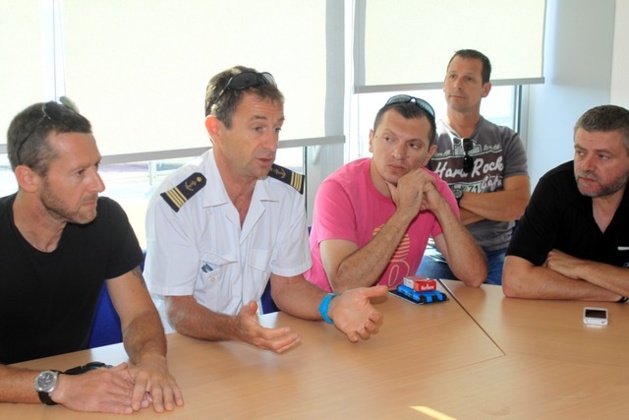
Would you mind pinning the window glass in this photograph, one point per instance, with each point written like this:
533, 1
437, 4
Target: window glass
24, 57
399, 42
143, 90
497, 107
140, 75
133, 184
8, 185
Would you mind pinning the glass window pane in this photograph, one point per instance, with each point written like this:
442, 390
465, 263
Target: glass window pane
385, 30
144, 86
497, 107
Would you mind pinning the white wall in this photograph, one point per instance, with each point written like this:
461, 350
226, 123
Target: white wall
578, 57
620, 65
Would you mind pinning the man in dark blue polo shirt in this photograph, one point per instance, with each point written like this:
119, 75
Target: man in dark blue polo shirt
573, 241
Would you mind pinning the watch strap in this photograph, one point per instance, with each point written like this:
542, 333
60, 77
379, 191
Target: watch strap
44, 397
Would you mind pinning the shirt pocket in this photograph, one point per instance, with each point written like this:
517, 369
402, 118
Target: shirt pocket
260, 260
212, 267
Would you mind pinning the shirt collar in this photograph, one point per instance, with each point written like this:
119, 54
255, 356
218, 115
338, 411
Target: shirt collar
216, 195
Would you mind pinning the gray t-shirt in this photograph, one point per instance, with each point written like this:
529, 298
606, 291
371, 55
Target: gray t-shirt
498, 153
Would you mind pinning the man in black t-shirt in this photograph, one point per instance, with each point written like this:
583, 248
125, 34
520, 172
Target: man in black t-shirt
573, 241
60, 242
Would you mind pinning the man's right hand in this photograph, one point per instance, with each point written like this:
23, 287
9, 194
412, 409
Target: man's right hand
250, 331
353, 313
408, 193
101, 390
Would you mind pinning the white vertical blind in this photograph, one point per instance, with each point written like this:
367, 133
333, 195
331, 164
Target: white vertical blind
138, 68
406, 44
22, 54
620, 63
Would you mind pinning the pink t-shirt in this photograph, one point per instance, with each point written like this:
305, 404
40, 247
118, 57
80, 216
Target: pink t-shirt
348, 206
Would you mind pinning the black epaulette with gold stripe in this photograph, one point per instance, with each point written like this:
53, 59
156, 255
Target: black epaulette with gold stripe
177, 196
294, 179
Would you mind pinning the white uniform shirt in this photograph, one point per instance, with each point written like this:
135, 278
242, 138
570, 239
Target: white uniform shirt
201, 250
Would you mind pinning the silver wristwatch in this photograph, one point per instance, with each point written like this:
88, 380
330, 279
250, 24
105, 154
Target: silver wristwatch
458, 194
44, 384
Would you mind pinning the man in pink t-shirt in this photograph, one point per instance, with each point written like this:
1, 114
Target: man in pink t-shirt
373, 217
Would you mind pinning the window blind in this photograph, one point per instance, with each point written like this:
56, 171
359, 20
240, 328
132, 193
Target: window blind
406, 44
23, 54
138, 68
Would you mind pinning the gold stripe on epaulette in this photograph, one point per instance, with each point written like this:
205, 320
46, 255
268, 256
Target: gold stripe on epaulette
297, 181
294, 179
177, 196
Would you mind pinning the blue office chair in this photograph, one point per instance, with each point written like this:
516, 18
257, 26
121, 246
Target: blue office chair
106, 328
267, 305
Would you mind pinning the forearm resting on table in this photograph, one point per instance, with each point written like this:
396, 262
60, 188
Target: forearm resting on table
144, 336
16, 385
190, 318
609, 277
364, 266
521, 279
296, 296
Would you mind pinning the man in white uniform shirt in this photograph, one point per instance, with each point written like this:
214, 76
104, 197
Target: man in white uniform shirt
218, 229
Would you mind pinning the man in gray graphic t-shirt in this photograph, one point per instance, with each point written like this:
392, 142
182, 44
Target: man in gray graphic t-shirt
483, 163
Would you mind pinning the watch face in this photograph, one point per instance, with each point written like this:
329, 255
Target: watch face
46, 381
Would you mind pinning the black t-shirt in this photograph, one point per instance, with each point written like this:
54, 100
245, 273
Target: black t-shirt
48, 300
560, 217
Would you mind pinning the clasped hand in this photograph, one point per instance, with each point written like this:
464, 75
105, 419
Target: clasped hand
122, 389
154, 384
415, 191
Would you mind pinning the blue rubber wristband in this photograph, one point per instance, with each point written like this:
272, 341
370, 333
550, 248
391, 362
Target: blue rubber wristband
323, 307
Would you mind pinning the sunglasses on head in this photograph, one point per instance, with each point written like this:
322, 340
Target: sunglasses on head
468, 161
52, 111
246, 80
421, 104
